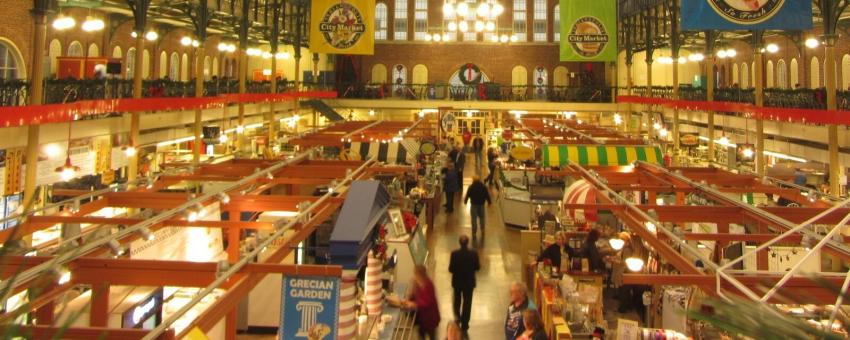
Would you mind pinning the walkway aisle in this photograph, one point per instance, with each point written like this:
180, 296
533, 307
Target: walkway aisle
500, 265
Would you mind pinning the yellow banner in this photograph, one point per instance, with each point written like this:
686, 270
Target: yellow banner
342, 27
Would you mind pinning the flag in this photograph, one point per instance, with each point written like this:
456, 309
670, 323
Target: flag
746, 14
342, 27
588, 30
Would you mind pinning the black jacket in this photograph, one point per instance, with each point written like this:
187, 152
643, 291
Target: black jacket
463, 265
478, 193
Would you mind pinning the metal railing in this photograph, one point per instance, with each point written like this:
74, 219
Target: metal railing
479, 92
773, 97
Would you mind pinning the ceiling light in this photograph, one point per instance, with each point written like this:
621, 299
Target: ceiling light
479, 26
448, 9
634, 264
490, 26
812, 43
281, 55
240, 129
428, 37
130, 151
151, 36
52, 150
772, 48
618, 119
67, 171
437, 37
267, 55
723, 140
696, 57
514, 38
462, 9
748, 152
495, 38
651, 227
497, 9
93, 24
663, 133
193, 216
147, 235
196, 43
115, 247
371, 112
722, 54
616, 243
463, 26
222, 138
682, 60
452, 26
503, 38
656, 126
421, 114
62, 23
185, 41
64, 277
222, 47
731, 53
483, 9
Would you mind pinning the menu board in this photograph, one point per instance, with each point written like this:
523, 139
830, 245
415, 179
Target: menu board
10, 205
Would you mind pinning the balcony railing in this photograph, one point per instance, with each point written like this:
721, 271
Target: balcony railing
798, 98
481, 92
16, 92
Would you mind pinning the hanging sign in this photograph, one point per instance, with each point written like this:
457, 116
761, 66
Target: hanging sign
588, 30
342, 27
688, 139
309, 308
746, 14
522, 153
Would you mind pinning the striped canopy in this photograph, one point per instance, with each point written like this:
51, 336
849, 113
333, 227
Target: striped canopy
404, 152
581, 192
557, 155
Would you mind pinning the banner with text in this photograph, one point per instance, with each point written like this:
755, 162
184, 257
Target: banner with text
342, 27
309, 308
588, 30
746, 14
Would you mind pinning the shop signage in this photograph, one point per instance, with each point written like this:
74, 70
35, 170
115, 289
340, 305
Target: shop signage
507, 135
342, 27
627, 329
309, 308
522, 153
688, 139
589, 29
746, 14
149, 307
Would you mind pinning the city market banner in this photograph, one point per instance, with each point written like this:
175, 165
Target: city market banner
309, 308
342, 27
588, 30
746, 14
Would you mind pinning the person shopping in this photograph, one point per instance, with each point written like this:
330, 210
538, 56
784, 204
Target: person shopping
423, 298
514, 323
533, 326
553, 251
590, 251
451, 185
477, 192
492, 157
463, 265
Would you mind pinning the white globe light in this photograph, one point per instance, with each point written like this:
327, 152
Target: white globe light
463, 26
721, 54
514, 38
452, 26
130, 151
428, 37
63, 23
446, 37
491, 26
222, 138
437, 37
448, 9
52, 150
503, 38
133, 34
772, 48
616, 243
185, 41
483, 10
812, 43
67, 173
92, 24
371, 112
240, 129
663, 133
222, 47
421, 114
696, 57
196, 43
656, 126
479, 26
151, 36
495, 38
497, 9
731, 53
634, 264
462, 9
651, 227
267, 55
682, 60
231, 48
723, 140
748, 152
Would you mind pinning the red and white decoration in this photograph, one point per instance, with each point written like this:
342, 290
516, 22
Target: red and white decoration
581, 192
374, 295
347, 305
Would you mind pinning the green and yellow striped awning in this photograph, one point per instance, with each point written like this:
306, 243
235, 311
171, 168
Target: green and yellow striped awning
557, 155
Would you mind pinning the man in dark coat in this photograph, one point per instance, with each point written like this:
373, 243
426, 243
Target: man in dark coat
458, 158
463, 265
477, 193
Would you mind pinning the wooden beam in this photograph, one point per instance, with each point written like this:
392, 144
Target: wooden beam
46, 221
81, 333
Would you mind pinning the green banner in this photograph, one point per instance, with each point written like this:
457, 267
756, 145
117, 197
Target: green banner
588, 30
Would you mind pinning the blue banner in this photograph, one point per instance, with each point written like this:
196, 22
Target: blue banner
746, 14
309, 308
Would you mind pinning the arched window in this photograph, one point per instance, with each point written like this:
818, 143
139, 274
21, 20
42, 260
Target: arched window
379, 74
745, 76
420, 74
753, 75
735, 76
8, 63
94, 51
215, 66
560, 76
795, 73
781, 74
420, 19
381, 18
399, 79
163, 65
556, 23
131, 63
769, 74
75, 49
184, 67
207, 66
116, 52
520, 19
400, 20
814, 70
519, 80
539, 23
54, 52
146, 64
845, 72
174, 67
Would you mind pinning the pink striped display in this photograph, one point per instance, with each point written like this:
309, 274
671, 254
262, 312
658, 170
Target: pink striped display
374, 294
581, 192
347, 306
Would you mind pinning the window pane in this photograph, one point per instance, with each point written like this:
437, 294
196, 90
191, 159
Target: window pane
381, 17
520, 17
420, 23
556, 23
539, 20
400, 24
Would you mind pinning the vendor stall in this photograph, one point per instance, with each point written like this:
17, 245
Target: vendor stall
602, 155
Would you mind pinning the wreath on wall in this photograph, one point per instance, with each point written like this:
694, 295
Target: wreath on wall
469, 74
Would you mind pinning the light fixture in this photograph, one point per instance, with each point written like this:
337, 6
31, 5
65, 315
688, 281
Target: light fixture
479, 26
483, 10
151, 36
63, 276
663, 133
497, 9
491, 26
462, 9
772, 48
448, 9
468, 114
185, 41
682, 60
723, 140
748, 152
63, 22
115, 247
616, 243
240, 129
371, 112
696, 57
52, 150
452, 26
281, 55
656, 126
618, 119
651, 227
129, 151
196, 43
269, 175
634, 264
504, 38
254, 52
93, 24
428, 37
579, 121
421, 114
267, 55
437, 37
224, 198
722, 54
222, 47
67, 171
463, 26
222, 138
731, 53
812, 43
193, 216
147, 235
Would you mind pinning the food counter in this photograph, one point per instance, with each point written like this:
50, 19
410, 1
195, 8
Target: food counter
569, 306
518, 206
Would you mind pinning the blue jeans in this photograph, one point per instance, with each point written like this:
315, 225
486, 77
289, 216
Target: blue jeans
477, 213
